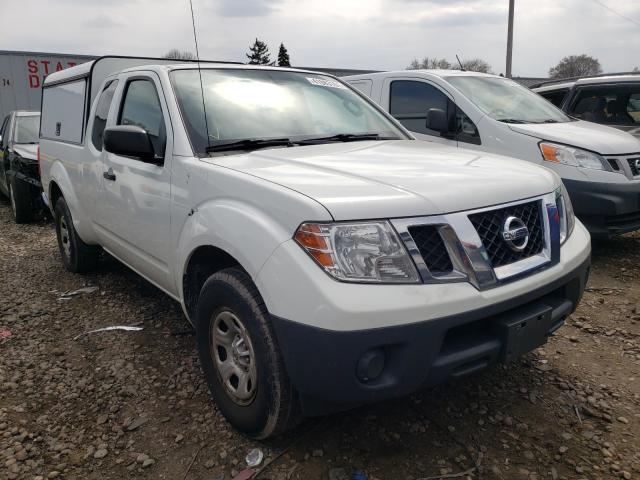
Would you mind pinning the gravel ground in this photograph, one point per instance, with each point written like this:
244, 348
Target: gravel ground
116, 404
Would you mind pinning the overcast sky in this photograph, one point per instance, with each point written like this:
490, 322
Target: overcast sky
376, 34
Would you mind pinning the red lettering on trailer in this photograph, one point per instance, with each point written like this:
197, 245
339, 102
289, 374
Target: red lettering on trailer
59, 67
34, 81
46, 66
71, 64
32, 65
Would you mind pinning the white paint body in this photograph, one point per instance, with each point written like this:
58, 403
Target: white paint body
250, 205
513, 140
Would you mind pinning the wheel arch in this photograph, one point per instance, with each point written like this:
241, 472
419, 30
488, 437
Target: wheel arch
201, 263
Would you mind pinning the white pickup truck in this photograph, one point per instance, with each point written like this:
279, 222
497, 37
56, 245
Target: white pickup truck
325, 257
493, 114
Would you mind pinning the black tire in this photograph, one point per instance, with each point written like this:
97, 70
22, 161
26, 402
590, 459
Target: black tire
21, 200
77, 256
274, 406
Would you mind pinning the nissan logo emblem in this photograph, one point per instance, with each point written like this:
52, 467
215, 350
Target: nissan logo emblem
515, 234
637, 164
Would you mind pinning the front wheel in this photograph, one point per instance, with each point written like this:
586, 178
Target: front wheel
77, 256
240, 357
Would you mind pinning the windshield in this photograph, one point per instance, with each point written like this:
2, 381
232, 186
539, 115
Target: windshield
27, 129
271, 104
507, 101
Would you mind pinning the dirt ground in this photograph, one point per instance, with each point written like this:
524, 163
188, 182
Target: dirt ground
116, 404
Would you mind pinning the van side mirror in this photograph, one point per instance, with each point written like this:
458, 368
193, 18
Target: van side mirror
129, 141
437, 120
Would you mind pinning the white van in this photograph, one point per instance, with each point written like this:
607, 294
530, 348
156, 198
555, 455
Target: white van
495, 114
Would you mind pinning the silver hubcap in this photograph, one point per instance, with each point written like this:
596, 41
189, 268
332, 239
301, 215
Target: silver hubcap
234, 357
64, 237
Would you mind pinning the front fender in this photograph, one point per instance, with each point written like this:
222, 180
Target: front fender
242, 230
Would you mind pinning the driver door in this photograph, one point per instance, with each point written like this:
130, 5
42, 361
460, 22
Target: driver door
137, 193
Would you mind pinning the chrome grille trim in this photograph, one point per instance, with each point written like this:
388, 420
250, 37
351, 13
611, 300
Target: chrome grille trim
468, 255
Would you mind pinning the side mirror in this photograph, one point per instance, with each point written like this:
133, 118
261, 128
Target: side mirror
437, 120
129, 141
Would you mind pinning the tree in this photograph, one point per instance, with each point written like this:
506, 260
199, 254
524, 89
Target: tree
259, 53
283, 57
473, 65
576, 66
476, 65
636, 69
176, 54
430, 63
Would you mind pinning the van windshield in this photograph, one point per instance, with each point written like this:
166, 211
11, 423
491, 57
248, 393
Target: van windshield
27, 129
507, 101
253, 108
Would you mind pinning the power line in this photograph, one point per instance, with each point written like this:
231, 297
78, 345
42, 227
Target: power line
632, 20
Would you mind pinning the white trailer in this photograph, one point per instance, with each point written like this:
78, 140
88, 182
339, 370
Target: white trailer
22, 76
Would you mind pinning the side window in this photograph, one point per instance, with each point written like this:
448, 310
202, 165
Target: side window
410, 101
102, 111
555, 96
141, 107
633, 105
466, 130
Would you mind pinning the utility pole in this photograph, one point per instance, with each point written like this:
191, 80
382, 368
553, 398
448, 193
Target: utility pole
510, 39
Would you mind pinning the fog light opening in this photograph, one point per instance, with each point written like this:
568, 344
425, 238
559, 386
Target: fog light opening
371, 365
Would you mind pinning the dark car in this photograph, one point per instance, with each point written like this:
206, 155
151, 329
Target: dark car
612, 99
19, 171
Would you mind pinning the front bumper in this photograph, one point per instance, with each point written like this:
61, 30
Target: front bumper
323, 364
606, 209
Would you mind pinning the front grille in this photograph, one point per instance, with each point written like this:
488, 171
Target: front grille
632, 166
431, 247
489, 225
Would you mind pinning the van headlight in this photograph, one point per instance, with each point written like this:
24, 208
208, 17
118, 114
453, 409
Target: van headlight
565, 211
576, 157
358, 252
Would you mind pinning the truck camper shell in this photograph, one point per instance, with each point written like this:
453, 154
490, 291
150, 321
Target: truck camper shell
67, 95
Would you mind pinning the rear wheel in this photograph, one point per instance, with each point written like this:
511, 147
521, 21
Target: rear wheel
76, 255
240, 357
21, 200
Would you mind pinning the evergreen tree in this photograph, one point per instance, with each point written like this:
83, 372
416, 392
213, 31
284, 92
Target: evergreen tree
259, 53
283, 57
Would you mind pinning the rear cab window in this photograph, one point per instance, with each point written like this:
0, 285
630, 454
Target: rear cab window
608, 104
410, 101
102, 112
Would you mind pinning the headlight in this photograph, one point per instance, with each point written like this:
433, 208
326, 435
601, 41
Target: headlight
552, 152
565, 210
358, 252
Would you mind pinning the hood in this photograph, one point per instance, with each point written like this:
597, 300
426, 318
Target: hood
398, 178
633, 130
590, 136
26, 150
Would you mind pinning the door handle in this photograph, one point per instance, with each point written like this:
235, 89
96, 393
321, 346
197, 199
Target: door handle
109, 175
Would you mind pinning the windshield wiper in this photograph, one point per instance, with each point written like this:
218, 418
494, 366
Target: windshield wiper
345, 137
511, 120
247, 144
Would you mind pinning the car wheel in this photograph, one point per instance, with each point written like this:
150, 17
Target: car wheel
240, 357
76, 255
20, 200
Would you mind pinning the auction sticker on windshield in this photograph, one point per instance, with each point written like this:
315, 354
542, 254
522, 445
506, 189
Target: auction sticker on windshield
325, 82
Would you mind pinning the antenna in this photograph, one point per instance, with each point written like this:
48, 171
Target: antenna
195, 40
457, 58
